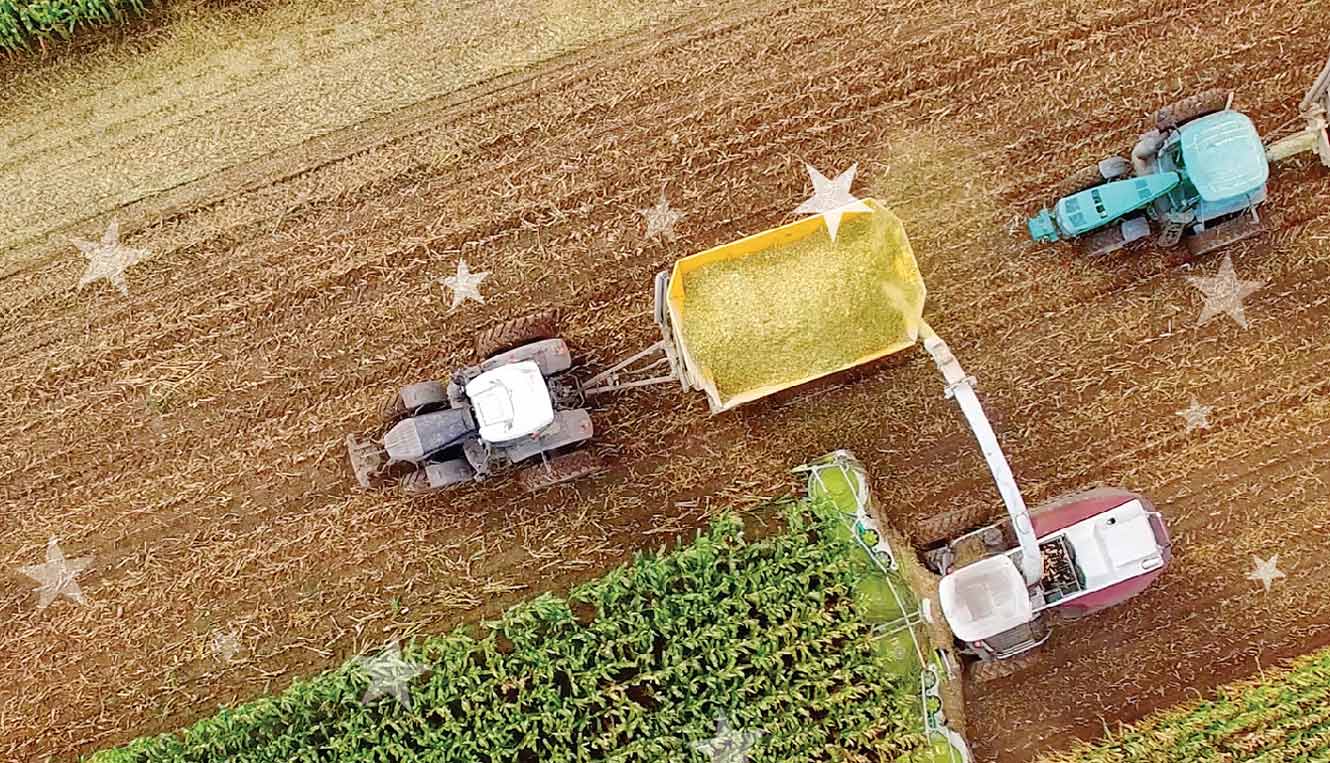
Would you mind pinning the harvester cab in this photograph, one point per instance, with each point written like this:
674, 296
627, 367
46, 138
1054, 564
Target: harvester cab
1198, 176
1004, 585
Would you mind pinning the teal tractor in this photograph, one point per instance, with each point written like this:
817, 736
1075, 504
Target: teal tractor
1197, 177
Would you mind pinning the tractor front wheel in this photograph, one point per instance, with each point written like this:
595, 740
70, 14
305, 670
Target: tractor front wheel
517, 332
1192, 107
1082, 180
1104, 241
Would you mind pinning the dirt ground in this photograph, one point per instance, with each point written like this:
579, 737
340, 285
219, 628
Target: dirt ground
188, 436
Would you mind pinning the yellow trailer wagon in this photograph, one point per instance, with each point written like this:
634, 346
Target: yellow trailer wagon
781, 308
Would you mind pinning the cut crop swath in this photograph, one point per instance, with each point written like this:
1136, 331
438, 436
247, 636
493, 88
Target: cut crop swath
768, 633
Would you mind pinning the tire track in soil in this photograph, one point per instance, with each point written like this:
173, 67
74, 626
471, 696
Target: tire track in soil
831, 415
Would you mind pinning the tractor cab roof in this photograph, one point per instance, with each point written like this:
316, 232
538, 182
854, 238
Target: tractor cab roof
983, 599
1224, 156
511, 401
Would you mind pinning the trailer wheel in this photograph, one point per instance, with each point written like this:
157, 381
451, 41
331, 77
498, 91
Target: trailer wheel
948, 525
1222, 235
1082, 180
1192, 107
985, 671
559, 469
517, 332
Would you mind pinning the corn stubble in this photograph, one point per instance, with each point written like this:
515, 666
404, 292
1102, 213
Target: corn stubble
1280, 717
767, 632
803, 309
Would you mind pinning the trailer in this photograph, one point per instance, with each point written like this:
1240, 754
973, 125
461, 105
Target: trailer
780, 309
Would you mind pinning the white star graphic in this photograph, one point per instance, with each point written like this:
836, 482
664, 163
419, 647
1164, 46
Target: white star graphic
57, 576
1197, 415
1224, 293
108, 259
661, 219
832, 198
1266, 571
389, 674
728, 745
225, 646
464, 284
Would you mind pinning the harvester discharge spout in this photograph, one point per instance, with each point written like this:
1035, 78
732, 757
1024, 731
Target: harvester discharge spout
960, 387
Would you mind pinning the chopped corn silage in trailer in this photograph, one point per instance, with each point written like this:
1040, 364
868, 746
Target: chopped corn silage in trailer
789, 305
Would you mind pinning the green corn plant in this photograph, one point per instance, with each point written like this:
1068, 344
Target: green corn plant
25, 22
719, 625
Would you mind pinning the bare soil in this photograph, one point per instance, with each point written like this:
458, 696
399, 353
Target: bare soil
189, 436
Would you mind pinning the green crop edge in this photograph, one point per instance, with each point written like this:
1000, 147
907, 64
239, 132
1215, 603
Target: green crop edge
808, 675
25, 26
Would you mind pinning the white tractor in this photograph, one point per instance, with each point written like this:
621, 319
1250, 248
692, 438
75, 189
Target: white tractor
518, 404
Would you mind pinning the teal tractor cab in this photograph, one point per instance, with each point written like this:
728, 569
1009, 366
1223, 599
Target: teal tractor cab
1197, 177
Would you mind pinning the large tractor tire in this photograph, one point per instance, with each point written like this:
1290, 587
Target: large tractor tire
559, 469
414, 400
986, 671
517, 332
949, 525
1192, 107
1082, 180
1222, 235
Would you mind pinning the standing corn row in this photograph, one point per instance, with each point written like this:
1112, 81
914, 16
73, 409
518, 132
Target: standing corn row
23, 22
769, 633
1280, 717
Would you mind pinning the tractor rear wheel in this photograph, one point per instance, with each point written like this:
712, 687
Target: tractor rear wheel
985, 671
559, 469
1082, 180
949, 525
1192, 107
1222, 235
517, 332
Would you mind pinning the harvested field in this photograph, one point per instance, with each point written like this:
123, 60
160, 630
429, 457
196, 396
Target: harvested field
187, 436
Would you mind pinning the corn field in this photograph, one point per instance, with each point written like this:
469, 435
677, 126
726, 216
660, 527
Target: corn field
1281, 718
635, 666
23, 23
